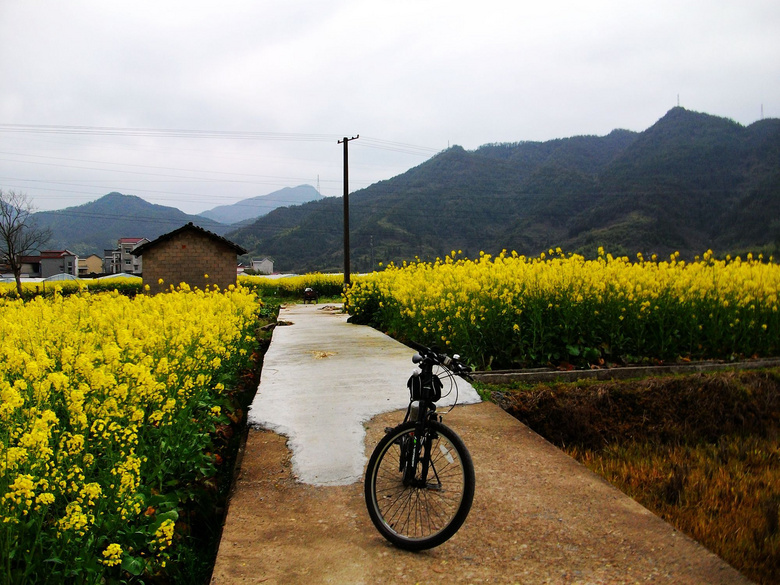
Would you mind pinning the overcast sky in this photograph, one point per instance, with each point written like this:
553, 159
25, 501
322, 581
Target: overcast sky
260, 91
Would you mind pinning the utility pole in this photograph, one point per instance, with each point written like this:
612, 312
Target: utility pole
346, 142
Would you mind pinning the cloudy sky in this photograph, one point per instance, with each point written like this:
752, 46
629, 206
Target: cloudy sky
195, 104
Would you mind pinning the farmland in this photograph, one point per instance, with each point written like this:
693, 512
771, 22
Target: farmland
109, 409
701, 451
112, 406
512, 311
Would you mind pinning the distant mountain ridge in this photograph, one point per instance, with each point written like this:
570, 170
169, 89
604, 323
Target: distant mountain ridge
249, 209
690, 182
98, 225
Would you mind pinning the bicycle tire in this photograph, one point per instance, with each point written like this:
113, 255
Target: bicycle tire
413, 517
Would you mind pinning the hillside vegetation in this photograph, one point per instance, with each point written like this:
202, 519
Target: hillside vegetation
688, 183
97, 225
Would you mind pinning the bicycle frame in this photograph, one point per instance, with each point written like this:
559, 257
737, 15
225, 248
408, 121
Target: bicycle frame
420, 478
426, 410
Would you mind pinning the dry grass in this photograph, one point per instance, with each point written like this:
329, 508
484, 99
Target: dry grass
701, 451
725, 495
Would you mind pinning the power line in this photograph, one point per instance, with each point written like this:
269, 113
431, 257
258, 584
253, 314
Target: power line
162, 132
377, 143
203, 175
154, 167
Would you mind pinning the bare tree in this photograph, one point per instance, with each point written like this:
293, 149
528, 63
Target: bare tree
19, 232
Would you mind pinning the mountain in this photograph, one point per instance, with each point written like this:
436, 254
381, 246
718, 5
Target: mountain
247, 210
690, 182
97, 225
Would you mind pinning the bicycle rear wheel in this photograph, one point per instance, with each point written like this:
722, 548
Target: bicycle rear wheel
411, 513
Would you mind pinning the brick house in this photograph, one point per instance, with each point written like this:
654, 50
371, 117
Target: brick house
186, 255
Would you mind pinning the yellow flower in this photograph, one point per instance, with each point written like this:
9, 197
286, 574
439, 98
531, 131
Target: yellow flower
163, 536
112, 555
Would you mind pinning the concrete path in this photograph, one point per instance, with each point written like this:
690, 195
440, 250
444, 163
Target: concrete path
322, 379
538, 515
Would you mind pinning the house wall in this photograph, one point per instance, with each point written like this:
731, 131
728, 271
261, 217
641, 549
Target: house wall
187, 257
92, 264
265, 266
112, 262
63, 264
129, 263
30, 269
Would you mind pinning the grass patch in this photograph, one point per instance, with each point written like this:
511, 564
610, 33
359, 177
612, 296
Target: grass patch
701, 451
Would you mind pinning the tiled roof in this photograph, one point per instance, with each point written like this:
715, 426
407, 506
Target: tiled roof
56, 253
188, 227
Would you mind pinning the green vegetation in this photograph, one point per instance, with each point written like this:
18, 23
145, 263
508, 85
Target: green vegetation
96, 226
702, 451
290, 288
123, 285
689, 183
510, 311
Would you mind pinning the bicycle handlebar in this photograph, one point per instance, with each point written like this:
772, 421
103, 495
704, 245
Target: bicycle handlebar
442, 359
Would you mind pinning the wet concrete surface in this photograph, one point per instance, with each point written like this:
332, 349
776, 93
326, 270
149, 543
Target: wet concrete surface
322, 379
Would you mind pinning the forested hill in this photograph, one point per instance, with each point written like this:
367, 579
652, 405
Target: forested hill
688, 183
98, 225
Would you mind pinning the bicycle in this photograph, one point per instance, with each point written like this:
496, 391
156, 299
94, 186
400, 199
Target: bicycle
420, 481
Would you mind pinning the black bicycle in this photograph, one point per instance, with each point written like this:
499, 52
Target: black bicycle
420, 478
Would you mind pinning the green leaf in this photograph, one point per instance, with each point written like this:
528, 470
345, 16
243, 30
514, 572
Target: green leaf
171, 515
160, 518
133, 565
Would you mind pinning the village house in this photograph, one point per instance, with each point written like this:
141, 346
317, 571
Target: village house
91, 265
53, 262
264, 266
31, 266
189, 255
121, 258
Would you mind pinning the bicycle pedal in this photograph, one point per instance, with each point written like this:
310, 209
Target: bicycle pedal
436, 487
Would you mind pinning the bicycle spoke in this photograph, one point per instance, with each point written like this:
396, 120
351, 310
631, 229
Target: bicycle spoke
415, 510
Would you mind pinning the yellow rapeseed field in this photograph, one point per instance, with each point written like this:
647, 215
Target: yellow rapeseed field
512, 310
327, 285
106, 406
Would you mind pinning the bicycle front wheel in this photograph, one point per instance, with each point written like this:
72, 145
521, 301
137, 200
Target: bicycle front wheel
411, 511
